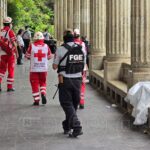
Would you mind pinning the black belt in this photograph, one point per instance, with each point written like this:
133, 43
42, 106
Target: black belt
78, 78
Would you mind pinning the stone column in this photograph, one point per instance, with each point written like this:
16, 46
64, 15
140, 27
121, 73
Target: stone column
85, 18
59, 20
1, 12
5, 6
98, 33
118, 41
140, 41
56, 18
70, 14
65, 15
76, 12
118, 29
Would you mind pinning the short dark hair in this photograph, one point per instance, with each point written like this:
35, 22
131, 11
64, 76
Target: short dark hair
68, 36
46, 29
26, 27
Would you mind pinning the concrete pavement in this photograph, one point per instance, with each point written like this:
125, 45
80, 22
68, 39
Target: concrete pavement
24, 127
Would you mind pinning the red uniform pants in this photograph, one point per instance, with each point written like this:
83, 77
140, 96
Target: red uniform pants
7, 63
83, 87
38, 84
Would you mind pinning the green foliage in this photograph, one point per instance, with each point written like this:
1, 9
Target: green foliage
34, 13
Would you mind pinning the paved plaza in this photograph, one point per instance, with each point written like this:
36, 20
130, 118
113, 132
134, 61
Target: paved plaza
25, 127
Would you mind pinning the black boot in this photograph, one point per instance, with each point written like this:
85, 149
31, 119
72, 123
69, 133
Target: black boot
77, 128
44, 101
11, 90
36, 103
76, 132
0, 87
66, 128
81, 106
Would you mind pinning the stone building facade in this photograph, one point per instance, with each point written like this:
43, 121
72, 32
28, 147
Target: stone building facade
119, 34
3, 10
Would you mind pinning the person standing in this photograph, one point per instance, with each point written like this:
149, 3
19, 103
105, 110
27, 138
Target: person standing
69, 62
87, 46
46, 35
38, 53
20, 46
83, 85
7, 61
26, 38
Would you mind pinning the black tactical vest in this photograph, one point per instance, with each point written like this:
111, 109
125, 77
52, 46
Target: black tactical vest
75, 59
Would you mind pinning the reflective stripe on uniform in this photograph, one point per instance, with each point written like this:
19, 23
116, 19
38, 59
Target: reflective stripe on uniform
9, 83
37, 98
35, 94
42, 87
2, 75
10, 79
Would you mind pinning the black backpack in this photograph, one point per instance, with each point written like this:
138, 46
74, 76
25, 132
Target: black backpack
75, 59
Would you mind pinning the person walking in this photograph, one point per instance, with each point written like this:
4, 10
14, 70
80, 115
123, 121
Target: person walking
26, 38
83, 85
7, 61
69, 62
20, 46
39, 54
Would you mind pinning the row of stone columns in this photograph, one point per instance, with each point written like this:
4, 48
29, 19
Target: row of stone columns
140, 40
3, 10
117, 29
118, 37
72, 14
118, 44
97, 33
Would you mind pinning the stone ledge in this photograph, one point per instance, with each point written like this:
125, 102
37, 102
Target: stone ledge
98, 73
97, 79
119, 85
117, 91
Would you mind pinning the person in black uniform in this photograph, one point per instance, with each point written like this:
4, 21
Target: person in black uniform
26, 36
69, 61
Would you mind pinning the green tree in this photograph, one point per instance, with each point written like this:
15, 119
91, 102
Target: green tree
34, 13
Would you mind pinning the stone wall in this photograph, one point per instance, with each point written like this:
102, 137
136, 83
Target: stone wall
3, 11
119, 33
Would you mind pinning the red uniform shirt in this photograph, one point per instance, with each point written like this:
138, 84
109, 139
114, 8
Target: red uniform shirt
11, 33
10, 36
78, 41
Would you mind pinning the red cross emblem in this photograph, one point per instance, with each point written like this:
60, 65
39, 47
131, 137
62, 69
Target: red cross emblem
39, 55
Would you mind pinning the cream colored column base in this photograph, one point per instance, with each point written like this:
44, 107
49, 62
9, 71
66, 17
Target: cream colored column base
112, 70
95, 62
137, 77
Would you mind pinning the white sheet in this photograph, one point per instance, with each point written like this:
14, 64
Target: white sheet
139, 97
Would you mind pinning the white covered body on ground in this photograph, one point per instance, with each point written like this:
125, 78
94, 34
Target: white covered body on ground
139, 97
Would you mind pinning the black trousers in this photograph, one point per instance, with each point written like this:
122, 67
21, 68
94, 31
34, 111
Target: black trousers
20, 52
69, 97
26, 44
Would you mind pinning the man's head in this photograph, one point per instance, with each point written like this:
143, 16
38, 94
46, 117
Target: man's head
7, 21
68, 36
76, 33
38, 36
46, 29
27, 27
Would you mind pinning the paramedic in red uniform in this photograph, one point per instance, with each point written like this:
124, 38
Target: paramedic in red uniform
7, 62
83, 85
38, 53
